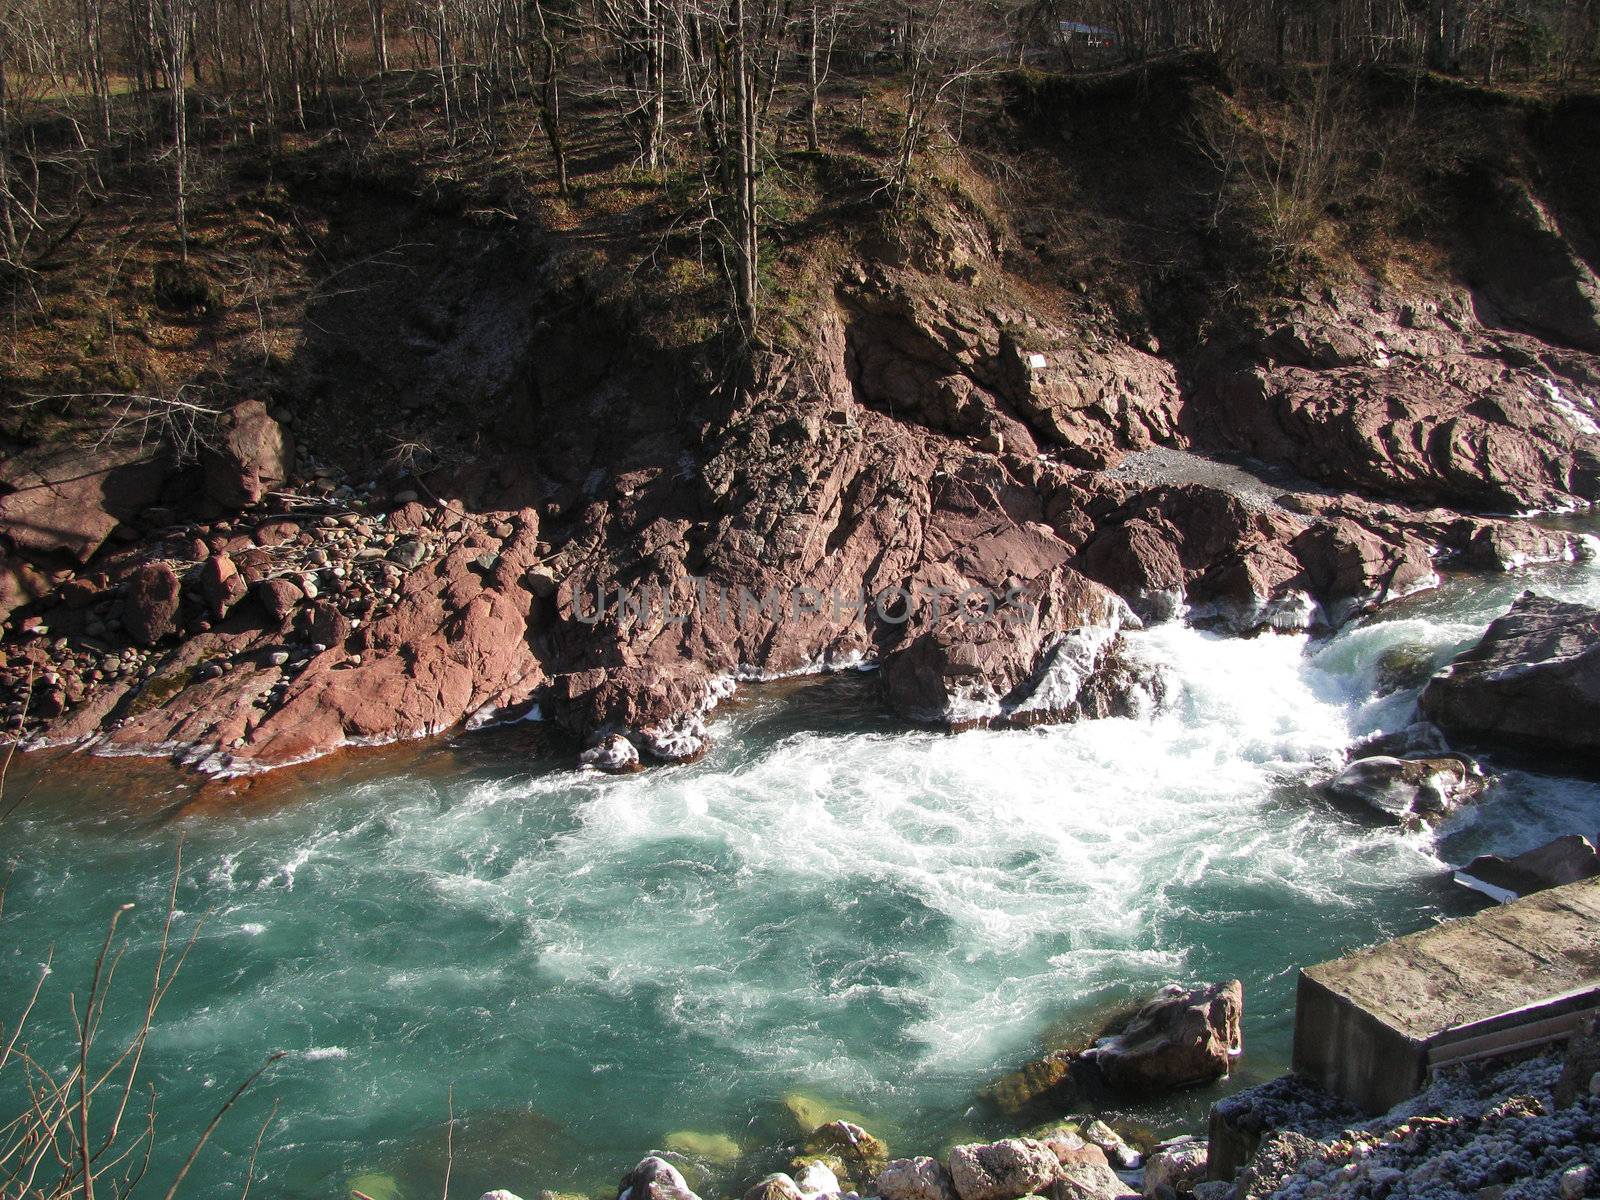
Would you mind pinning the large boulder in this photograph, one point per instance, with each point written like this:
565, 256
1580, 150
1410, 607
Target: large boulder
1176, 1165
1180, 1038
1005, 1170
701, 1147
1139, 560
1409, 791
151, 603
1531, 682
1028, 656
1564, 860
1070, 1147
816, 1179
918, 1178
1089, 1181
249, 456
775, 1187
69, 502
279, 596
654, 1179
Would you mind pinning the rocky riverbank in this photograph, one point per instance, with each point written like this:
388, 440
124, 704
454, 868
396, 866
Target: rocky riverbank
967, 472
1502, 1130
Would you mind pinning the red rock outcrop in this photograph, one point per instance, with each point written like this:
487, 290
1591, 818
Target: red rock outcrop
638, 537
1409, 399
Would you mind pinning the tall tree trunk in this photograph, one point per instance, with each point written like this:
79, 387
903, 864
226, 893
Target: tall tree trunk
444, 74
746, 244
814, 83
296, 91
550, 99
380, 33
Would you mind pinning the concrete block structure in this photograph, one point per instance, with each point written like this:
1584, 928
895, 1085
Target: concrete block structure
1373, 1026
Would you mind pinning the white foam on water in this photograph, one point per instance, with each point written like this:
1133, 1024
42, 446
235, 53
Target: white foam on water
1577, 409
321, 1053
1028, 868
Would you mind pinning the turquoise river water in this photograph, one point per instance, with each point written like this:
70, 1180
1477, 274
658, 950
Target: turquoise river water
829, 903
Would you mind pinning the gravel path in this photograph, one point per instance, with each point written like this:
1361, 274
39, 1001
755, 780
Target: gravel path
1256, 484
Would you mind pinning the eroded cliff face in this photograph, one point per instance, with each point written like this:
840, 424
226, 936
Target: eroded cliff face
961, 474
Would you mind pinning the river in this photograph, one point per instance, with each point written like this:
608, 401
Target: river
579, 967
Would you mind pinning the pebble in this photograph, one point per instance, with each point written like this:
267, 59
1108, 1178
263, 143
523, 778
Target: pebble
278, 657
408, 554
1575, 1182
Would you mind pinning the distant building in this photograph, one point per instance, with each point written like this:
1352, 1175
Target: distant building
1095, 37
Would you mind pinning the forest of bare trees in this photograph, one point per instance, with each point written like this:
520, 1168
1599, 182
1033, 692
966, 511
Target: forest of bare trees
90, 86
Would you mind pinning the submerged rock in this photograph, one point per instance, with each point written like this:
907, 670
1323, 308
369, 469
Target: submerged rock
1180, 1038
1564, 860
375, 1186
859, 1155
1402, 666
809, 1112
1005, 1170
1045, 1082
1532, 681
1410, 791
716, 1148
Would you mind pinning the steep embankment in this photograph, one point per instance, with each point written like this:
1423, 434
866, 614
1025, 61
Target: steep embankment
921, 468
